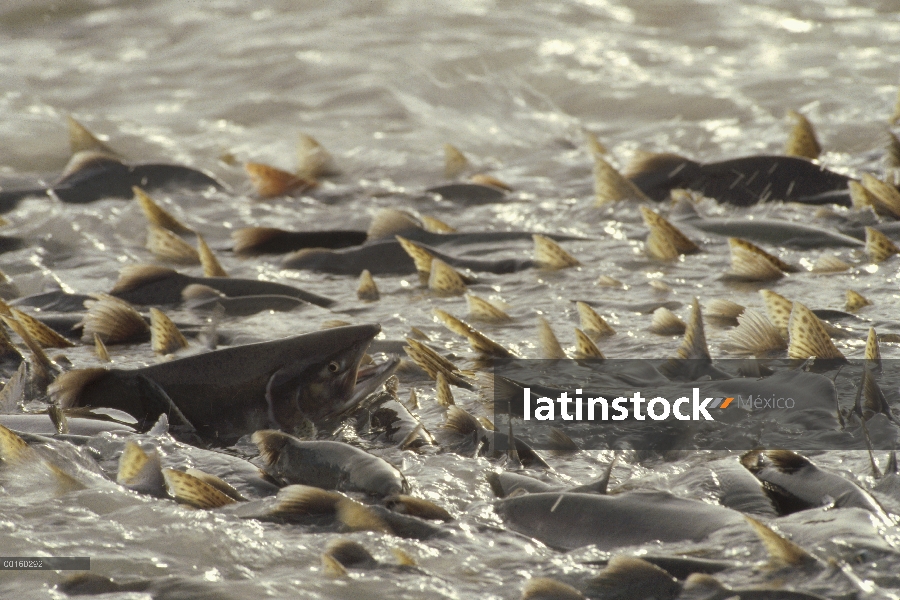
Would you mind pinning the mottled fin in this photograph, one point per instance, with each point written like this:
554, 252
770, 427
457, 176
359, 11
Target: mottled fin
198, 291
860, 197
358, 517
585, 348
114, 320
779, 310
299, 500
455, 162
755, 335
725, 310
873, 352
332, 567
694, 344
350, 553
313, 161
100, 349
211, 265
417, 507
39, 332
660, 247
165, 338
482, 310
479, 342
490, 181
561, 443
544, 588
612, 186
140, 471
442, 393
421, 257
167, 246
878, 246
829, 263
218, 483
157, 215
594, 146
460, 421
550, 255
432, 362
856, 301
82, 140
436, 225
547, 342
39, 360
749, 261
67, 388
187, 489
445, 280
269, 182
663, 231
633, 577
808, 336
134, 276
367, 290
270, 443
802, 139
782, 552
885, 197
592, 323
389, 222
13, 449
665, 322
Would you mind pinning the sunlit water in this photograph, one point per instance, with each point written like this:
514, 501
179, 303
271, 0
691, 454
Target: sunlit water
384, 85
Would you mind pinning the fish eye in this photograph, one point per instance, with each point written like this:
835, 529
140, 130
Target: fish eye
334, 366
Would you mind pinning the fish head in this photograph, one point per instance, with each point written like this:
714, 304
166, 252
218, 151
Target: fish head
325, 380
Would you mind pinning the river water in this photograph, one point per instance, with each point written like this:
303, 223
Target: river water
383, 85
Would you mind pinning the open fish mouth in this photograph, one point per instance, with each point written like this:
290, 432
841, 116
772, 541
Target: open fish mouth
368, 379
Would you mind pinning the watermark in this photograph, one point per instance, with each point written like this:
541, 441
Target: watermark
45, 563
594, 409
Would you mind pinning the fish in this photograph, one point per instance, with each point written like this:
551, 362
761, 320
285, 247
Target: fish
205, 299
41, 424
762, 230
741, 181
465, 432
149, 284
705, 587
468, 193
92, 175
236, 391
328, 465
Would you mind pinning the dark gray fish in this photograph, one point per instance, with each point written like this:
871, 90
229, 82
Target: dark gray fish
235, 391
167, 588
54, 301
742, 181
327, 465
739, 490
147, 284
42, 425
389, 421
705, 587
387, 257
506, 483
90, 176
568, 521
795, 483
203, 299
466, 434
470, 193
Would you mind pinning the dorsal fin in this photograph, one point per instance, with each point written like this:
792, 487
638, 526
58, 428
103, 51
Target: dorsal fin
755, 335
779, 310
367, 290
187, 489
607, 281
802, 139
358, 517
88, 159
593, 144
829, 263
550, 255
442, 393
479, 342
860, 197
432, 362
82, 140
661, 229
305, 500
455, 162
878, 246
157, 215
445, 280
417, 507
750, 262
211, 265
100, 349
665, 322
198, 291
694, 344
403, 558
461, 421
269, 182
885, 198
482, 310
313, 160
545, 588
165, 338
166, 245
808, 336
114, 320
653, 162
873, 352
134, 276
612, 186
592, 323
726, 310
218, 483
43, 367
436, 225
332, 567
39, 332
140, 471
585, 347
547, 342
389, 222
67, 388
633, 577
13, 449
856, 301
782, 552
491, 181
421, 257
